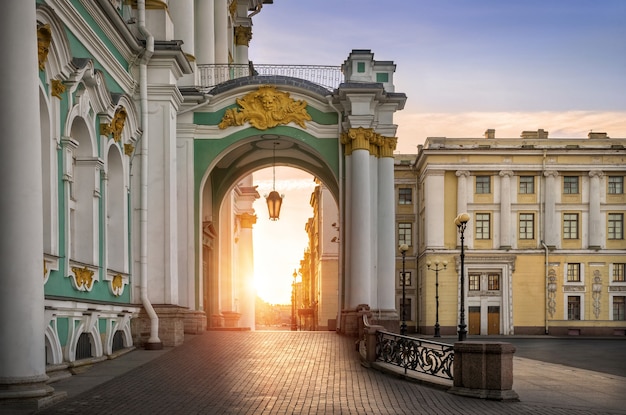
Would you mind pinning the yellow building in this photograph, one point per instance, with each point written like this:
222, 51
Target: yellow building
544, 247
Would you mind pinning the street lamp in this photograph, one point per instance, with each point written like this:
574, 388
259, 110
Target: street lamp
403, 249
437, 269
461, 223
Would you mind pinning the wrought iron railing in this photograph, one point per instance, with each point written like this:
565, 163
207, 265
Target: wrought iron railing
419, 355
326, 76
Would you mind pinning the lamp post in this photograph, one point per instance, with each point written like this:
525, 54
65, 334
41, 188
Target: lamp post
436, 268
294, 326
461, 223
403, 249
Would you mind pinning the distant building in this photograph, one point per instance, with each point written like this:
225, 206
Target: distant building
544, 248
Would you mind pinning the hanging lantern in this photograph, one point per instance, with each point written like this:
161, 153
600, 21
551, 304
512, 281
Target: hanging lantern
274, 200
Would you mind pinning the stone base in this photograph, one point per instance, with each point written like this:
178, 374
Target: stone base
195, 322
171, 327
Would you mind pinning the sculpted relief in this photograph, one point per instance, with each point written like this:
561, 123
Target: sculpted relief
266, 108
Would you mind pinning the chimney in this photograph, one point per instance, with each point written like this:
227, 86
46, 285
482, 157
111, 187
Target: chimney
593, 136
540, 133
490, 134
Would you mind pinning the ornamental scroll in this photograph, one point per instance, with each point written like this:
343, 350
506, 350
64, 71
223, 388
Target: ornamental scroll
266, 108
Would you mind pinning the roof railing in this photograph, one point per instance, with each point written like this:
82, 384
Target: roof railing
326, 76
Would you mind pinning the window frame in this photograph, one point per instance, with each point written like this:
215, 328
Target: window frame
473, 282
569, 231
618, 185
402, 196
571, 185
482, 221
575, 275
615, 226
618, 269
621, 302
483, 185
490, 280
568, 310
523, 231
526, 187
403, 232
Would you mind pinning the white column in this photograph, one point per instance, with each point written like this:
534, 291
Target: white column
374, 244
434, 205
596, 224
221, 32
551, 221
462, 199
22, 362
246, 270
360, 242
182, 13
205, 32
461, 191
386, 233
243, 34
505, 208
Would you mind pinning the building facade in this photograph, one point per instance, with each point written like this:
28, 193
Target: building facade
133, 128
544, 247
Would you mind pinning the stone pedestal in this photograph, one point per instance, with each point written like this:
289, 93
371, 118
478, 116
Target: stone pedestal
231, 319
195, 322
484, 370
171, 326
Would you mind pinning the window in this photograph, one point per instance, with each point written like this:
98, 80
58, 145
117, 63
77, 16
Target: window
483, 184
616, 226
570, 226
405, 310
405, 196
483, 222
570, 185
616, 185
527, 226
405, 231
573, 308
618, 272
573, 272
474, 282
494, 282
407, 278
527, 185
619, 308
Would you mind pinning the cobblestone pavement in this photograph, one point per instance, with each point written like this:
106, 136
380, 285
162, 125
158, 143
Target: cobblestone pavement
283, 372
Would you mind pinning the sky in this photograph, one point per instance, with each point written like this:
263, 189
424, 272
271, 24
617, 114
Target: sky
467, 65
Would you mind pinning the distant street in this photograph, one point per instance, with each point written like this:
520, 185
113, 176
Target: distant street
601, 354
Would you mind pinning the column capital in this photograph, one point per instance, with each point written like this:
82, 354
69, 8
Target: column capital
506, 173
358, 139
551, 173
243, 35
462, 173
247, 220
596, 173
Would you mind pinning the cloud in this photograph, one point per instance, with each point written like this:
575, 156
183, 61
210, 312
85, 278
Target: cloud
414, 128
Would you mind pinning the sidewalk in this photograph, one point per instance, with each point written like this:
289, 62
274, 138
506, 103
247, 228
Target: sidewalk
307, 373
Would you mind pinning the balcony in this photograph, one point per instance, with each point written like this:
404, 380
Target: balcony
328, 77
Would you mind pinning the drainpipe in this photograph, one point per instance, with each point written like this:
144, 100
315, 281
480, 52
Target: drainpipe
545, 247
342, 235
154, 343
